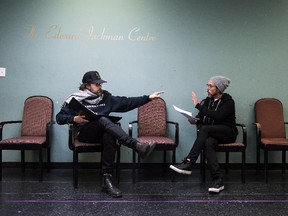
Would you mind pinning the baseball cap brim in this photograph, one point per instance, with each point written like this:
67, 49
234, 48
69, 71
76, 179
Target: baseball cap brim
98, 81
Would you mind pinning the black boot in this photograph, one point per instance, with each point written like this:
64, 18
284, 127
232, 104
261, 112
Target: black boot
108, 187
144, 150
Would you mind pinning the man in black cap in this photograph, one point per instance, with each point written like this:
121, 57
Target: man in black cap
103, 129
216, 124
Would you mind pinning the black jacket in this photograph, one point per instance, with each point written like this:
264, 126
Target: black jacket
222, 113
108, 104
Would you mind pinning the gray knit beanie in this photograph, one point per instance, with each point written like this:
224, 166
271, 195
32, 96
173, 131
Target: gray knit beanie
221, 82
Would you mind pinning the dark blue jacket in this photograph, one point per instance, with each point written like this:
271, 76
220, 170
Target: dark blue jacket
108, 104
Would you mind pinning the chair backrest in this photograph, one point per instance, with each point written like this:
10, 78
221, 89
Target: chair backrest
269, 113
37, 113
152, 118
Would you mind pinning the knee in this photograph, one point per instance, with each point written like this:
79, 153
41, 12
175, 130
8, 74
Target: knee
205, 128
210, 143
103, 120
203, 131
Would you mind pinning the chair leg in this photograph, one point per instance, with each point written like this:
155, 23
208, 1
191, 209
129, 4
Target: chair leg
134, 167
258, 159
174, 156
118, 166
173, 162
227, 163
0, 164
138, 164
48, 160
265, 165
40, 165
243, 168
23, 161
164, 161
283, 161
75, 169
203, 166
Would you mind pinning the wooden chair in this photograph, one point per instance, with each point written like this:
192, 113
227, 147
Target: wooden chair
35, 131
238, 146
270, 130
152, 127
81, 147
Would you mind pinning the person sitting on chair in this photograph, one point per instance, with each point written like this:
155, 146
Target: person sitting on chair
103, 129
217, 124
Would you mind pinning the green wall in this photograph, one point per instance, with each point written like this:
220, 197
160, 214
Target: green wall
140, 47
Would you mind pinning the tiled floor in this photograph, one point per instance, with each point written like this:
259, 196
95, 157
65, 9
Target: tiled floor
152, 194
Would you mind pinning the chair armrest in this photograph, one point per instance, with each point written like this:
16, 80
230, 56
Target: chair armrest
285, 124
130, 127
258, 128
71, 136
49, 125
244, 132
258, 132
4, 123
48, 129
10, 122
176, 136
134, 122
172, 122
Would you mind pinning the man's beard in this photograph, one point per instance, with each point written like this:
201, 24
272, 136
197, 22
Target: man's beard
210, 95
99, 93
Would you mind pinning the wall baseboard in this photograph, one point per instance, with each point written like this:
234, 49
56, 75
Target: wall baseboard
96, 165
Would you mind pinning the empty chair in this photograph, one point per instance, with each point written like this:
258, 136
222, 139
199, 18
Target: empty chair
270, 130
35, 131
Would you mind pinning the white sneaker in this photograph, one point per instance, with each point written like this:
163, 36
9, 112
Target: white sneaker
184, 168
217, 186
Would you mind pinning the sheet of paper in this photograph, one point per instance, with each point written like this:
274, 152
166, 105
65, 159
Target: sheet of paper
185, 113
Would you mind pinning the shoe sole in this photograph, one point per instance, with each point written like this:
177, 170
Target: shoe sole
216, 190
186, 172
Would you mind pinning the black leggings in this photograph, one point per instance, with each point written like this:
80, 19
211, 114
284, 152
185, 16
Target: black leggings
209, 136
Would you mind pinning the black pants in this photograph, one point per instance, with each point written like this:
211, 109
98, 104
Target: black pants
105, 131
209, 136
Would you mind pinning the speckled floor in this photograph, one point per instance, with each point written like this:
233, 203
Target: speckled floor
152, 194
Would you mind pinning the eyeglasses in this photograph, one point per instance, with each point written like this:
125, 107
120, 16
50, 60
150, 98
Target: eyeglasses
209, 86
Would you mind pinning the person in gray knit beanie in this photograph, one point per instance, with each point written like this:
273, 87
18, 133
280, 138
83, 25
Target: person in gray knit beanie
216, 123
221, 82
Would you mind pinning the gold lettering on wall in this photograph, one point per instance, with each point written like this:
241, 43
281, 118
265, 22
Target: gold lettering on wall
93, 35
32, 31
136, 35
57, 32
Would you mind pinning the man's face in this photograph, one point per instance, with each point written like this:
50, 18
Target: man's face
211, 88
96, 88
